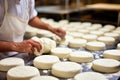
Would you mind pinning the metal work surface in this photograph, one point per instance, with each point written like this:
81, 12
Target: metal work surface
86, 66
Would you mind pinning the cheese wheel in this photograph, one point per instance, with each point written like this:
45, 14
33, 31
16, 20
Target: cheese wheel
77, 43
45, 61
95, 46
76, 34
111, 27
84, 31
104, 30
44, 78
97, 26
90, 76
63, 22
118, 46
30, 32
106, 65
8, 63
66, 69
89, 37
117, 31
81, 56
61, 52
112, 54
114, 35
106, 40
97, 33
22, 73
86, 24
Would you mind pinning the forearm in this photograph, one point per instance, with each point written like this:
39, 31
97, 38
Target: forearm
6, 46
36, 22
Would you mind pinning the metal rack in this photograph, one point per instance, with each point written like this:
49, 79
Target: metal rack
58, 10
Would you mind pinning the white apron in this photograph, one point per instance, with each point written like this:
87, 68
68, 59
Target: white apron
13, 27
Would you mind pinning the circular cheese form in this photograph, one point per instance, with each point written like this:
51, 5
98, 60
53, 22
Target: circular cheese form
95, 46
30, 31
105, 29
8, 63
63, 22
45, 61
61, 52
77, 43
106, 40
117, 31
44, 78
111, 27
81, 56
86, 24
89, 37
112, 54
22, 73
97, 26
90, 76
76, 34
118, 46
84, 31
114, 35
106, 65
66, 69
97, 33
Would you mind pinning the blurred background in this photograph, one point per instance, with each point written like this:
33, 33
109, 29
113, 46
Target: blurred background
95, 11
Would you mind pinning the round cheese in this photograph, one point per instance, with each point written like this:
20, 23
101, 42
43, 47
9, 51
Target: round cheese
104, 30
112, 54
86, 24
114, 35
95, 46
45, 61
81, 56
66, 69
44, 78
76, 34
118, 46
90, 37
61, 52
22, 73
106, 65
106, 40
97, 33
111, 27
77, 43
8, 63
84, 31
90, 76
97, 26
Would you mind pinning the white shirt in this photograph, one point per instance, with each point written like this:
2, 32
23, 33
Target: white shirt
18, 8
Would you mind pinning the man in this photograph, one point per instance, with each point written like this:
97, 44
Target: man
14, 16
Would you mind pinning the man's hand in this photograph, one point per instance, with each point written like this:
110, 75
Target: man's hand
27, 46
60, 32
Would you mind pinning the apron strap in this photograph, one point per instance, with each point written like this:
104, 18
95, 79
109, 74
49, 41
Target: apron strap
6, 6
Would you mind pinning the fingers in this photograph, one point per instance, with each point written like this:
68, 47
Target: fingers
36, 45
60, 32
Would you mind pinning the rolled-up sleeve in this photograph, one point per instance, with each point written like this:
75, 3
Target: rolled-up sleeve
32, 11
